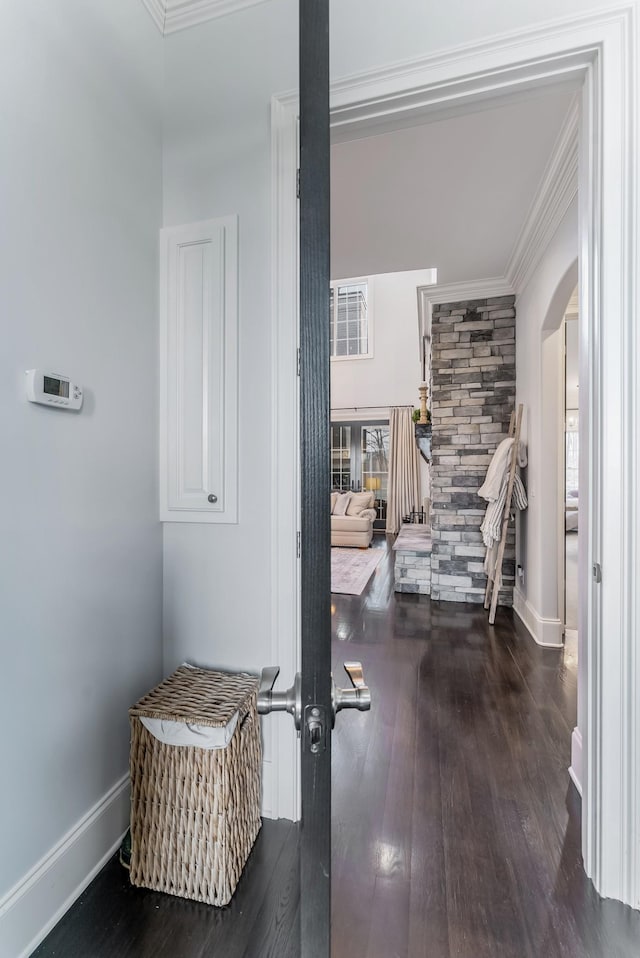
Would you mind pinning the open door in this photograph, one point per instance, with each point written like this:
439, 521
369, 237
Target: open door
314, 199
313, 700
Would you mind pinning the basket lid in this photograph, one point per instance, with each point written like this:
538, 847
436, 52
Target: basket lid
201, 696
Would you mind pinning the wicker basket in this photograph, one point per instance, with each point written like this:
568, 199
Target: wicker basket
195, 812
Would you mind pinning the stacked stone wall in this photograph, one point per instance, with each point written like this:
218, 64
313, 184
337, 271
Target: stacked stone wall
473, 395
412, 566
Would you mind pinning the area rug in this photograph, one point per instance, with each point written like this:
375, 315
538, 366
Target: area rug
351, 569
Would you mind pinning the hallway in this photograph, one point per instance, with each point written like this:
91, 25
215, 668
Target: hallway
456, 832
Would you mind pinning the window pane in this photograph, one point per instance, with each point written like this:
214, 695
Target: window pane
331, 318
375, 464
349, 320
354, 330
340, 457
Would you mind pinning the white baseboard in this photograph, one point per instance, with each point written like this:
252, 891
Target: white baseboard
575, 769
546, 632
36, 903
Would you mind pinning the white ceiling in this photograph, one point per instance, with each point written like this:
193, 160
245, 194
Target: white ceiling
452, 193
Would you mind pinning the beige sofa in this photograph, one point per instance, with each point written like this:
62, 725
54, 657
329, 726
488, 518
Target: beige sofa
352, 519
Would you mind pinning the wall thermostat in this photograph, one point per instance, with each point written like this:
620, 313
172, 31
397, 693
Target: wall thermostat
52, 389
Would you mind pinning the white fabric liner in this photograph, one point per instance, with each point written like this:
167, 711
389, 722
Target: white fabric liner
188, 733
191, 733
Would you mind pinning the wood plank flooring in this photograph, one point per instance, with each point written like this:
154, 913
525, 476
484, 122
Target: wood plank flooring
456, 830
456, 833
114, 920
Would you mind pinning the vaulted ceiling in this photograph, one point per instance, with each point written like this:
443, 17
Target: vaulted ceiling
459, 194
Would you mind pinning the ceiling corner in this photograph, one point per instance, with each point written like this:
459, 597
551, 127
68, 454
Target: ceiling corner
173, 15
158, 12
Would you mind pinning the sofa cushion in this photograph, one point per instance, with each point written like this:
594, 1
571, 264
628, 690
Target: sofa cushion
359, 501
334, 499
342, 504
350, 523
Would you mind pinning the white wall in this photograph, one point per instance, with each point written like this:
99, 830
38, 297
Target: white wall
539, 311
219, 80
80, 568
393, 373
218, 590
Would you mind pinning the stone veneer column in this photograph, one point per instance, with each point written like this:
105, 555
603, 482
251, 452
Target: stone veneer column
473, 379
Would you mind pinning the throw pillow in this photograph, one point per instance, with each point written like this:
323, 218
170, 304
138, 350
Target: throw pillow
359, 502
334, 499
340, 508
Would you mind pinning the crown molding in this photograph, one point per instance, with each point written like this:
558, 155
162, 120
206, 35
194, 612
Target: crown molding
462, 292
157, 12
558, 188
173, 15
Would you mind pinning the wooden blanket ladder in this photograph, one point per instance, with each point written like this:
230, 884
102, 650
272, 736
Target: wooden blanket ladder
494, 577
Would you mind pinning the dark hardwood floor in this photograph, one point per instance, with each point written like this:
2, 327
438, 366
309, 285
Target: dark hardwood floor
456, 833
114, 920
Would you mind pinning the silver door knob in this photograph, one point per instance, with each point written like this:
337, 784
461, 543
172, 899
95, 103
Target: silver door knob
289, 700
356, 697
212, 498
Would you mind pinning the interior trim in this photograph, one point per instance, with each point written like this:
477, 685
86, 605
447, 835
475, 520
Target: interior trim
173, 15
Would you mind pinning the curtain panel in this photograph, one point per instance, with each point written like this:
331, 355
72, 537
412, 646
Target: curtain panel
404, 471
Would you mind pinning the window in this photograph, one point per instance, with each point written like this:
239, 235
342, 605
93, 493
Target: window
341, 457
350, 332
571, 451
360, 460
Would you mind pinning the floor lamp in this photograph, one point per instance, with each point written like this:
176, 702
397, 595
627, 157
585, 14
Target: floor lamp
372, 484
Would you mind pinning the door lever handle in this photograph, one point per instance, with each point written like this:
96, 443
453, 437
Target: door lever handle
290, 700
355, 673
268, 678
357, 697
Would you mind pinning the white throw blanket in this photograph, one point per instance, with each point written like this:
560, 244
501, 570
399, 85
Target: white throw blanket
494, 490
499, 467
